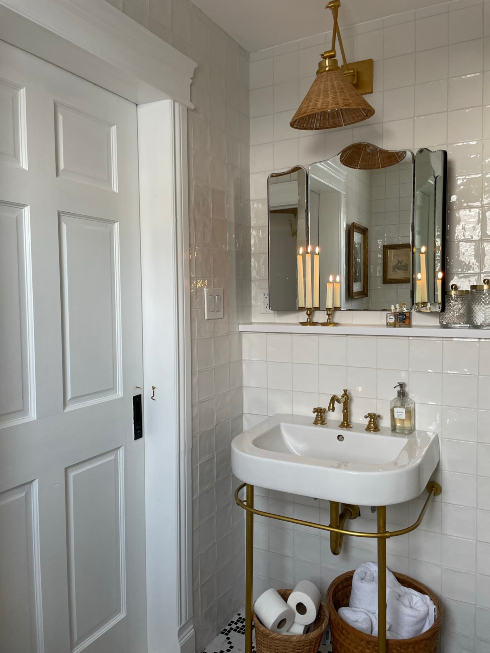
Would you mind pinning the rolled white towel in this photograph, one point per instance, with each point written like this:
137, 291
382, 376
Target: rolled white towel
358, 619
408, 613
364, 592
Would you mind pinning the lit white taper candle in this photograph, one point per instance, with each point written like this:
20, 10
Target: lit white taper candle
330, 292
439, 287
336, 292
301, 280
309, 298
316, 278
423, 274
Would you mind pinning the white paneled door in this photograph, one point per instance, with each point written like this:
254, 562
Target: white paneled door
72, 531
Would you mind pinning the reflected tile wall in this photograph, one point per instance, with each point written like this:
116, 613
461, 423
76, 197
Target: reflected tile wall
449, 381
431, 89
219, 207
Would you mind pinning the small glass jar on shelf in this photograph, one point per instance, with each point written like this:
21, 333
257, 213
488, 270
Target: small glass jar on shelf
456, 315
480, 305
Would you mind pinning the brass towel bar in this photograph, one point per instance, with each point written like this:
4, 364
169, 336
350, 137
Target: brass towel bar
434, 490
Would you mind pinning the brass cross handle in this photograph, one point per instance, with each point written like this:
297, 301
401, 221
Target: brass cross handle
320, 416
372, 426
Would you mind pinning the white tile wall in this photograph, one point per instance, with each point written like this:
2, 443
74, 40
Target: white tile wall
451, 550
218, 138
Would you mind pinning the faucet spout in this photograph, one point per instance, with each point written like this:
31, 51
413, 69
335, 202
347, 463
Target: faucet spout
344, 400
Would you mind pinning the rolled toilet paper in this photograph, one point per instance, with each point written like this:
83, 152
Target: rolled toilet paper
273, 612
296, 629
305, 601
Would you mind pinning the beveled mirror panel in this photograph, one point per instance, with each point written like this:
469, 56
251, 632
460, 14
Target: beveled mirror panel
429, 228
288, 232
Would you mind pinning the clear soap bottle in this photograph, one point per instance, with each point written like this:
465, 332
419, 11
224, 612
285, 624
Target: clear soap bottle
402, 410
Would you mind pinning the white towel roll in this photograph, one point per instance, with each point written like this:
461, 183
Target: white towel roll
364, 592
408, 613
273, 611
358, 619
305, 601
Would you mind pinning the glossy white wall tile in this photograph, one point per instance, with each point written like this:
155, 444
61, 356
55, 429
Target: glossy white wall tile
449, 551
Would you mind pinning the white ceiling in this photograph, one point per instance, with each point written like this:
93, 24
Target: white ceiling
260, 24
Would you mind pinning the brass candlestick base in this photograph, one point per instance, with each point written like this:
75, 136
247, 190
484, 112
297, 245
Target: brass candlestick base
329, 321
309, 313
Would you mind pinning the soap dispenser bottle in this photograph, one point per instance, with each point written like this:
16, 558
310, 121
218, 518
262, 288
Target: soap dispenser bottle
402, 410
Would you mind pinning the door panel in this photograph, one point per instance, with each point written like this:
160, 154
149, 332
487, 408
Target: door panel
90, 289
72, 531
16, 346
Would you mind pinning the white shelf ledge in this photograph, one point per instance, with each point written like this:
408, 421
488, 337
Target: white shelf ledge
367, 330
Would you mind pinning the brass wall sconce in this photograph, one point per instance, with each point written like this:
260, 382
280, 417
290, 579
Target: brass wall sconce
335, 97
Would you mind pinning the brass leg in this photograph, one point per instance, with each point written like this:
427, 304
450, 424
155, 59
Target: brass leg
249, 570
382, 581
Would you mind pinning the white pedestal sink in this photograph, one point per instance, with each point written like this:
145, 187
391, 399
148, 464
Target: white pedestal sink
289, 454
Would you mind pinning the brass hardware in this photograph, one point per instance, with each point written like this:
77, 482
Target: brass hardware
372, 426
329, 321
363, 76
138, 386
153, 395
382, 581
344, 400
320, 416
338, 520
433, 488
309, 313
249, 556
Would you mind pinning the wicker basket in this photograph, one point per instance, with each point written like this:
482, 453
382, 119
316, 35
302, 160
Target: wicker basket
269, 642
346, 639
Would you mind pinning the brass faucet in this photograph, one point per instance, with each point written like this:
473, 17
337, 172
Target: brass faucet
344, 400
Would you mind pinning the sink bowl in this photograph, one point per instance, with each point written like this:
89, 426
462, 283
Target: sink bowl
289, 454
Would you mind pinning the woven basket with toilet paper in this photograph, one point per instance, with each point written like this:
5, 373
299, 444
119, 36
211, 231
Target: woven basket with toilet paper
290, 621
347, 638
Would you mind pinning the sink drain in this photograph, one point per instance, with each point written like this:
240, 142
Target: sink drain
340, 438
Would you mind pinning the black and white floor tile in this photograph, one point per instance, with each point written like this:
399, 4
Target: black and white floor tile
232, 638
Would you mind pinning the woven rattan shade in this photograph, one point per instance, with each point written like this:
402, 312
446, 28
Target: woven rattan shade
331, 102
365, 156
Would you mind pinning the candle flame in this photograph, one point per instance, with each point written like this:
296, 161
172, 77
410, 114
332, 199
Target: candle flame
439, 275
317, 250
300, 250
422, 249
309, 249
337, 279
419, 276
330, 278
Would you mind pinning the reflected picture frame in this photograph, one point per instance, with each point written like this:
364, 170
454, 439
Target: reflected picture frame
396, 263
358, 261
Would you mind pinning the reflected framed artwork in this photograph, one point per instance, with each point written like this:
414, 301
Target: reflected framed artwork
396, 263
358, 261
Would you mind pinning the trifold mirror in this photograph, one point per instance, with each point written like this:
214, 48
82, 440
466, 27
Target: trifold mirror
377, 218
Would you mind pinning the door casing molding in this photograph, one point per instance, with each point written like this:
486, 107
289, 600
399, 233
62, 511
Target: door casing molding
93, 40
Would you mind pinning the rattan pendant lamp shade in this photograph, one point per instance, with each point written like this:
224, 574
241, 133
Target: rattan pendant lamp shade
332, 100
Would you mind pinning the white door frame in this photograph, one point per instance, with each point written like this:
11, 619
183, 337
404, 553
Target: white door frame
95, 41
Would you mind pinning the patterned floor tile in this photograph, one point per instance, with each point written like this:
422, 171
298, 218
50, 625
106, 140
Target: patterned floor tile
232, 638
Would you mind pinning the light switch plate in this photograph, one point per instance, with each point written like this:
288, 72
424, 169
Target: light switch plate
213, 303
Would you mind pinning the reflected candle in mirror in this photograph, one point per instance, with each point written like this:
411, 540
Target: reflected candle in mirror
336, 292
316, 278
418, 289
301, 280
308, 303
423, 275
330, 292
439, 287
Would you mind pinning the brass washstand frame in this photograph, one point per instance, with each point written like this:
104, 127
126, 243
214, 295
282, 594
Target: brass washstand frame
434, 490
